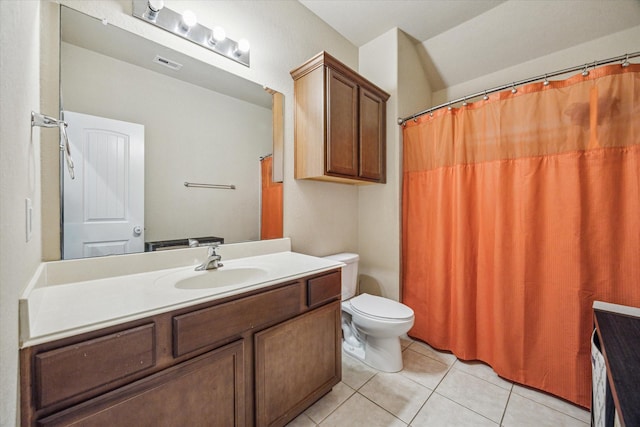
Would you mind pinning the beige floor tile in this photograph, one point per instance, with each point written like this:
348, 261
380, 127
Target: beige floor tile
397, 394
523, 412
474, 393
361, 412
440, 412
354, 372
302, 421
441, 356
483, 371
553, 402
323, 407
405, 342
422, 369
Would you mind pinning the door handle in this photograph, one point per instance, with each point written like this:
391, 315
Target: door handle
137, 230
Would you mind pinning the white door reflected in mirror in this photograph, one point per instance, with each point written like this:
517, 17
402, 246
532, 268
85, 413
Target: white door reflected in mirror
104, 206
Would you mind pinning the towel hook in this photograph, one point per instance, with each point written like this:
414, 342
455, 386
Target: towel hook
38, 119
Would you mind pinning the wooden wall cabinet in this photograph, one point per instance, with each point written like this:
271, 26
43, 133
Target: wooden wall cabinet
259, 358
340, 123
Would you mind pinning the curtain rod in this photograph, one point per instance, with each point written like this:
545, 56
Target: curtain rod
484, 93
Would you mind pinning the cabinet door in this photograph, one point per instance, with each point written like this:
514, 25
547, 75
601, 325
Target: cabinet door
342, 125
372, 136
205, 391
296, 362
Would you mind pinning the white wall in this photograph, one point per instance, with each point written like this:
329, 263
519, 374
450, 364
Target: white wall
191, 134
392, 62
378, 239
19, 179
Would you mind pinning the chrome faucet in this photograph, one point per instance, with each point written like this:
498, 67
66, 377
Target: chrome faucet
213, 259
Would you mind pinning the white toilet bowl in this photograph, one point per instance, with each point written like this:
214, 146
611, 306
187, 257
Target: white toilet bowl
371, 325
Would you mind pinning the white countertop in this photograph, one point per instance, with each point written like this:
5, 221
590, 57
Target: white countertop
53, 311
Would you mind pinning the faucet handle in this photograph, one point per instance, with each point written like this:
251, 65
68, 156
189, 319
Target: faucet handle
212, 248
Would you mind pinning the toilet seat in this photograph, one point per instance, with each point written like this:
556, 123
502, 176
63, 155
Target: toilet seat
380, 308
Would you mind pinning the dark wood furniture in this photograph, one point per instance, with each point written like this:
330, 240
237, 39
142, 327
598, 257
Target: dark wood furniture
339, 123
619, 336
259, 358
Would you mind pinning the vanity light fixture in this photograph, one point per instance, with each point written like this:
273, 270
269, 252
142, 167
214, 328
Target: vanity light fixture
186, 26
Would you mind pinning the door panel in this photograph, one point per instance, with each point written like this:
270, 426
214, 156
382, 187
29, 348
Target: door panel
296, 362
372, 128
342, 125
103, 208
205, 391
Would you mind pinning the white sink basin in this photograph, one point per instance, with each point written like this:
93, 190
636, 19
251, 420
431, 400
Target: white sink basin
224, 276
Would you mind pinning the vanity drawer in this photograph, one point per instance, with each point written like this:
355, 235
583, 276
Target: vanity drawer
74, 369
323, 289
208, 326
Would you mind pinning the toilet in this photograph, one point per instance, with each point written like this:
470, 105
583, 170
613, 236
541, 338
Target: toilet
371, 325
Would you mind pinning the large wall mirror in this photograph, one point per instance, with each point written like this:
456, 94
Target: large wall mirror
143, 121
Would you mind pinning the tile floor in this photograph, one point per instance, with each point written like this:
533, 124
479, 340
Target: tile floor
435, 389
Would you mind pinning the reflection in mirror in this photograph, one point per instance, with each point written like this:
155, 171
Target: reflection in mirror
147, 119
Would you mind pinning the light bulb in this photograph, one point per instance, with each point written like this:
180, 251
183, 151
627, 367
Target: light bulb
189, 19
243, 46
153, 7
217, 35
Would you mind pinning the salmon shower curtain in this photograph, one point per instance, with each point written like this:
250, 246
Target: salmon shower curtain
519, 212
271, 210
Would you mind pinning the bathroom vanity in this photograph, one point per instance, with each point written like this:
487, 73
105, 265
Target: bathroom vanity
255, 352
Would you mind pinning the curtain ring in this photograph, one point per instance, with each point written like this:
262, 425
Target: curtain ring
513, 90
585, 72
546, 81
626, 61
464, 101
485, 97
449, 106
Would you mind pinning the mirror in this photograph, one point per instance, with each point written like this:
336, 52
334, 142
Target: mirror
200, 125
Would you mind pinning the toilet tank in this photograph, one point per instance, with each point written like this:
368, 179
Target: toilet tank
349, 273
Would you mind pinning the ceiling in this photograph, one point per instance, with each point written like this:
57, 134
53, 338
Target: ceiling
466, 39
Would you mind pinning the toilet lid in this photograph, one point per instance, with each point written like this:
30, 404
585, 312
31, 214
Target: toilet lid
380, 307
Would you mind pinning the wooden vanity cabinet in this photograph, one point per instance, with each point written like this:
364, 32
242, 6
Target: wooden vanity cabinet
297, 362
339, 123
197, 365
205, 391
